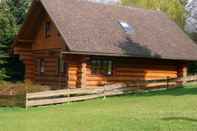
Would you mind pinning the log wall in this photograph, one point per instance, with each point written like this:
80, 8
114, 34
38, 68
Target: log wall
74, 70
128, 70
26, 57
123, 71
54, 41
50, 77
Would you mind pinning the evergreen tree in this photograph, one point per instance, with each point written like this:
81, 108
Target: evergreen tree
12, 15
191, 27
7, 32
18, 8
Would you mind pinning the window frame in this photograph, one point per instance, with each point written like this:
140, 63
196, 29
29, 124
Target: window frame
47, 29
41, 66
60, 65
102, 67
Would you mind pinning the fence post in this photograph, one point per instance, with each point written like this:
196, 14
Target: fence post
138, 86
68, 96
26, 98
104, 96
184, 75
167, 82
26, 101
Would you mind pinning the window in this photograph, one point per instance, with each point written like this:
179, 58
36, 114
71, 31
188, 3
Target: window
102, 67
60, 65
126, 27
47, 29
41, 66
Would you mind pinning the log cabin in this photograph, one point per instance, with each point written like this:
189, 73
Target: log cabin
82, 44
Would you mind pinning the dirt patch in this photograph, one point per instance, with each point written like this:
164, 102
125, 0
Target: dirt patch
13, 94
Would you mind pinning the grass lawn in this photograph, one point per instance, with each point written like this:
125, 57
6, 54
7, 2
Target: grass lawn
169, 110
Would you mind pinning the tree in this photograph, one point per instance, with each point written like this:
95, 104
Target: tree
174, 8
18, 8
7, 32
191, 21
191, 27
183, 2
12, 15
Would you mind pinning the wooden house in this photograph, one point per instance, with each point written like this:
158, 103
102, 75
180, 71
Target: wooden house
82, 44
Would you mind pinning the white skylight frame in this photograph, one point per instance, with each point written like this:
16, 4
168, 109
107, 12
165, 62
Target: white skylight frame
128, 28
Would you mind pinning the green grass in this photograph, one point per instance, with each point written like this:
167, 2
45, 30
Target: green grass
169, 110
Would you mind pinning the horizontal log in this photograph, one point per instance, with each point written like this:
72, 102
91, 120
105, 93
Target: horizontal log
146, 66
101, 83
25, 54
72, 78
146, 73
144, 69
73, 65
117, 78
25, 41
72, 71
57, 80
20, 49
72, 83
71, 68
27, 57
52, 83
155, 84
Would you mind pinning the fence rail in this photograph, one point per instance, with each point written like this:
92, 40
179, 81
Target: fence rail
71, 95
190, 78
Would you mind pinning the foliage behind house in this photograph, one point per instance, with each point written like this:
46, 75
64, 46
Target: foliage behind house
174, 8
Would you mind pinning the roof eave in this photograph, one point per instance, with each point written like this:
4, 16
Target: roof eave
123, 55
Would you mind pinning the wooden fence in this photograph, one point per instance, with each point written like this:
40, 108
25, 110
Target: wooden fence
190, 78
71, 95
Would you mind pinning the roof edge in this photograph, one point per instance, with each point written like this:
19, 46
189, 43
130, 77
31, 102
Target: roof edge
121, 55
55, 23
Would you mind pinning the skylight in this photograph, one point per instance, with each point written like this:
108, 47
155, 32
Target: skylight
127, 27
106, 1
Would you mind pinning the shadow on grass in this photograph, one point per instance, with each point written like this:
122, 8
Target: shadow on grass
179, 118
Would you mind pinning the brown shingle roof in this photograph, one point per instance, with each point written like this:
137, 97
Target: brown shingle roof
93, 28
